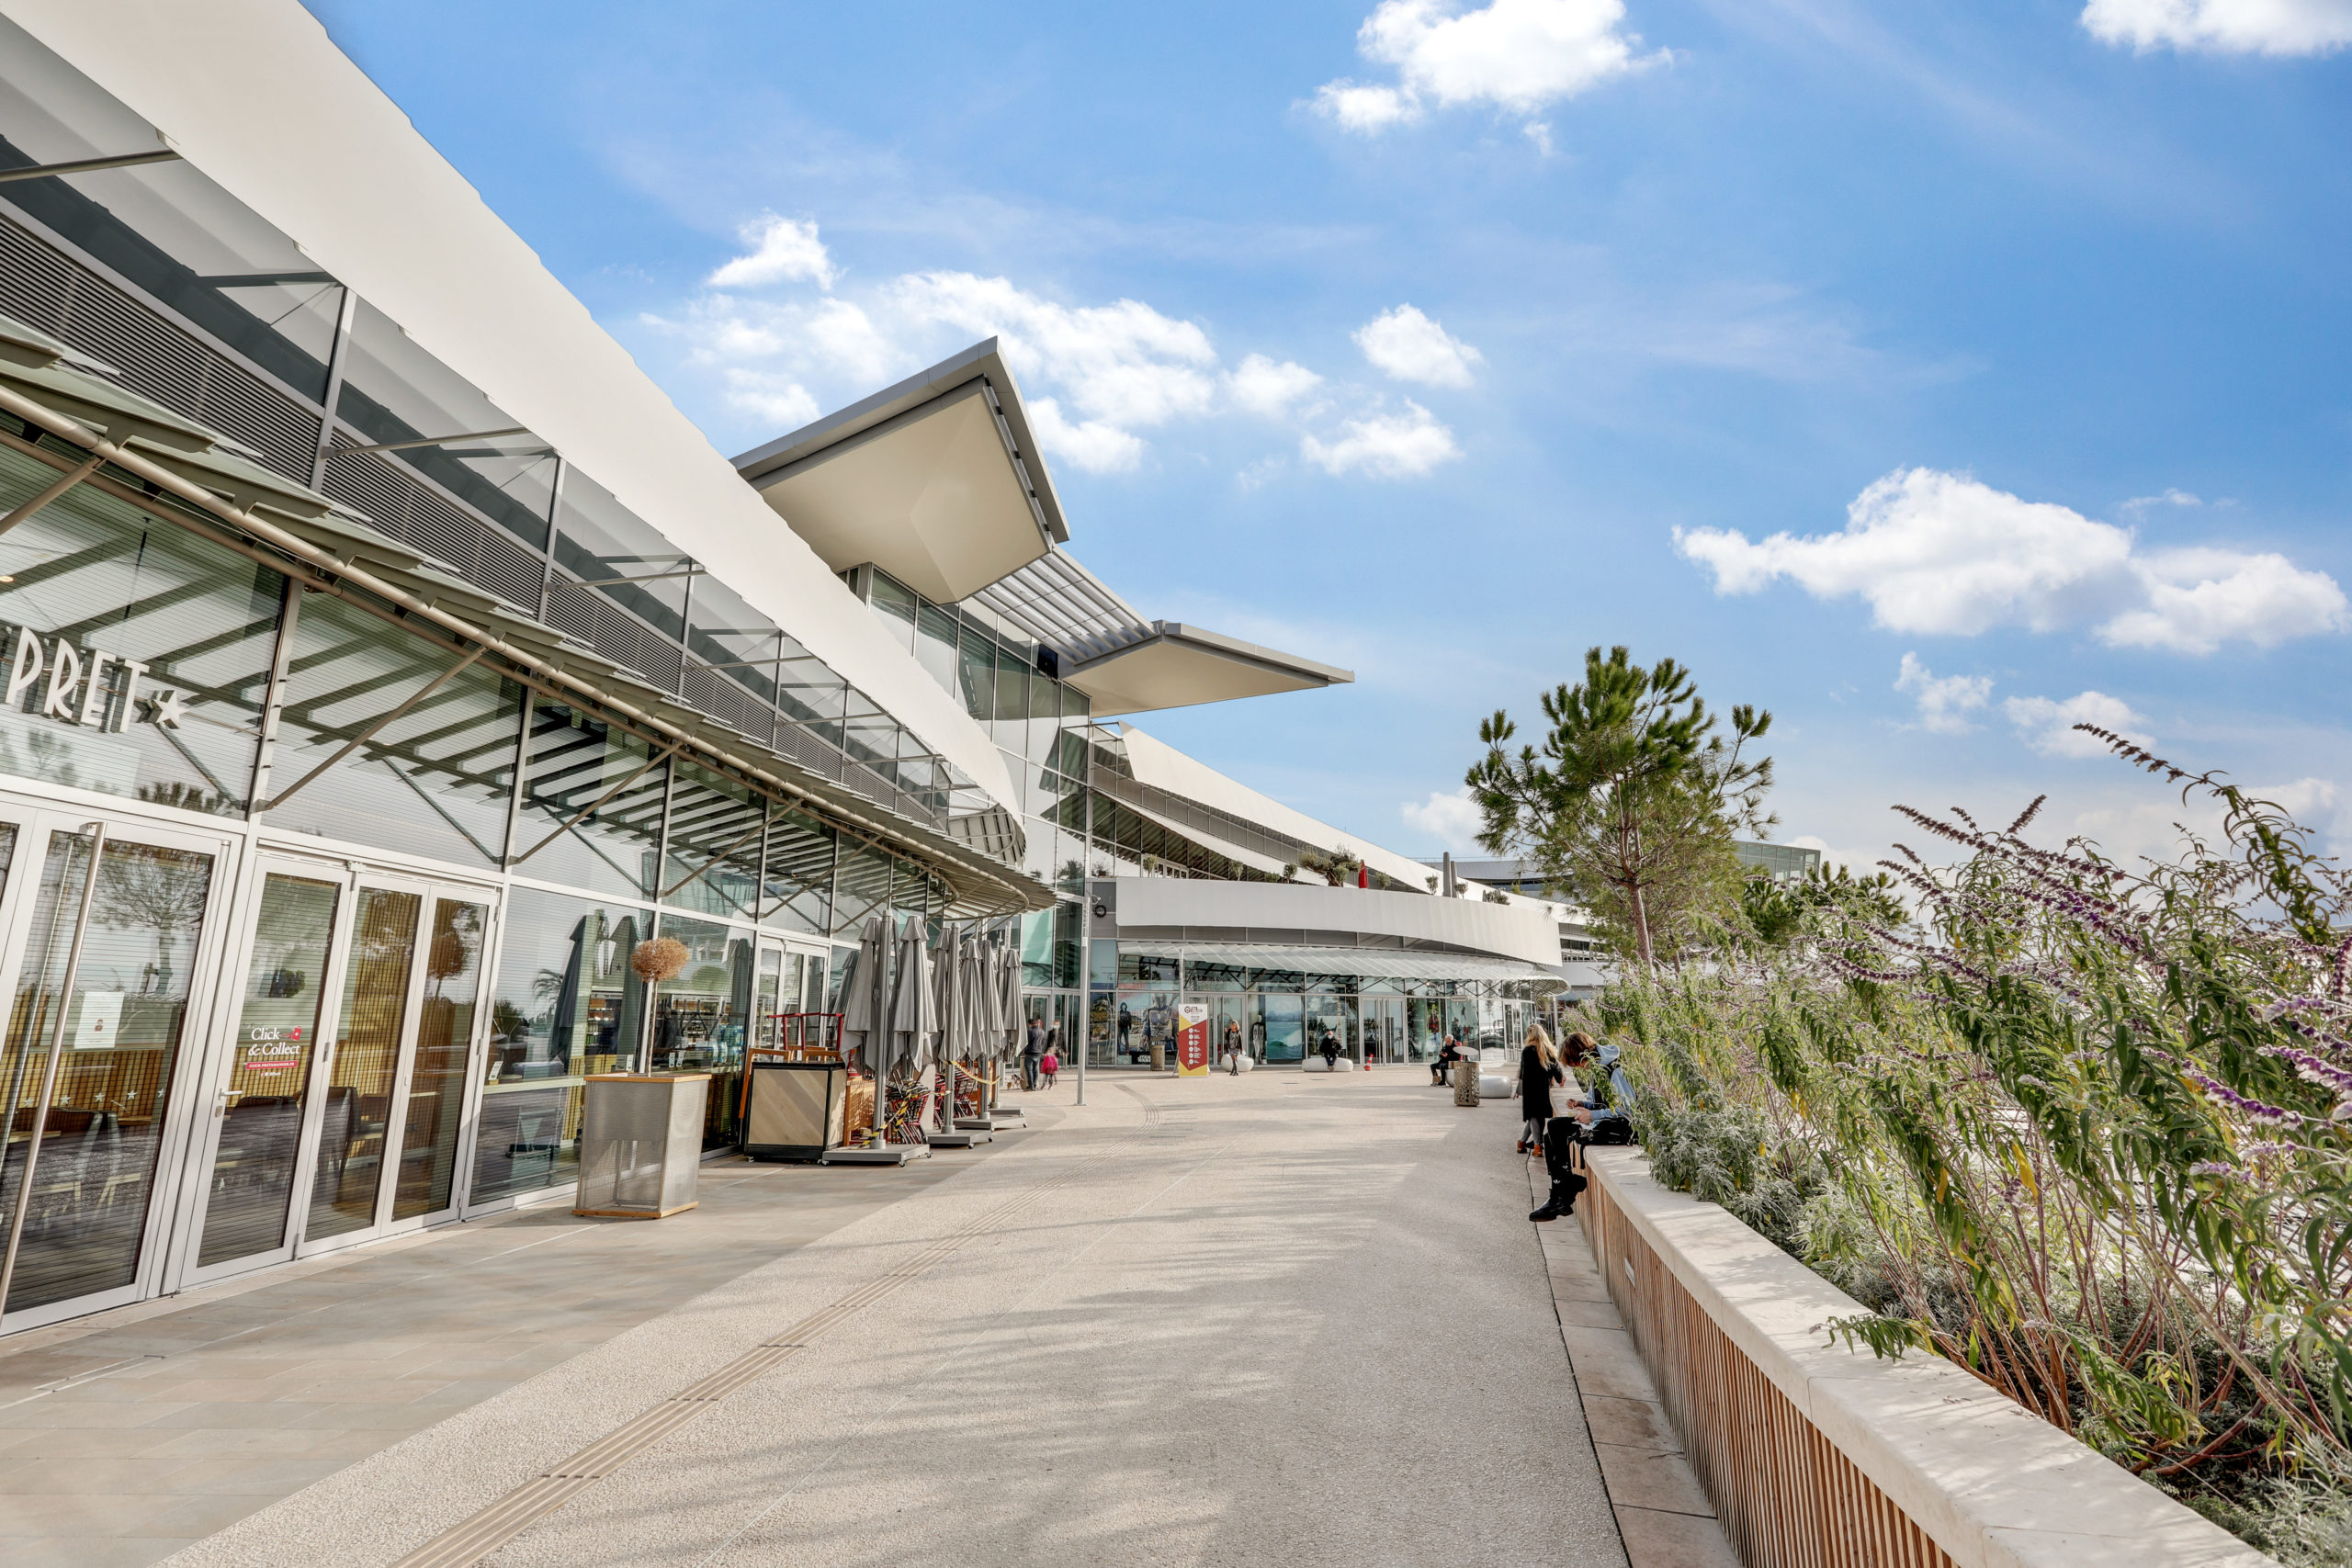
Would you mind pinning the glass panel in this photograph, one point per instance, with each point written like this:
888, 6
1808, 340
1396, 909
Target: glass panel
700, 1017
565, 1006
862, 886
110, 619
713, 860
277, 1030
1012, 727
574, 762
445, 1033
394, 391
434, 781
976, 672
104, 1133
935, 645
359, 1099
813, 697
598, 539
767, 999
1037, 949
896, 607
798, 881
170, 231
1045, 719
1280, 1028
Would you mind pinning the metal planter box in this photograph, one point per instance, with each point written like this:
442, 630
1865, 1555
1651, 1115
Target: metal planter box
641, 1143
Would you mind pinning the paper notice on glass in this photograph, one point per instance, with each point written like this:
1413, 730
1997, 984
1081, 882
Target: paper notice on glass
99, 1021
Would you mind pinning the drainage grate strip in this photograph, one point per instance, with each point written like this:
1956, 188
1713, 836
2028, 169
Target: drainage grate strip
466, 1544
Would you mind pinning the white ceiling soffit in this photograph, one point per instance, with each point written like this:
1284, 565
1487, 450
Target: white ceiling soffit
1156, 763
256, 96
1176, 666
936, 480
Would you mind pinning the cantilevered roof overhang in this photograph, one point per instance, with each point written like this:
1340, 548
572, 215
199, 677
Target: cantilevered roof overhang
937, 481
1128, 664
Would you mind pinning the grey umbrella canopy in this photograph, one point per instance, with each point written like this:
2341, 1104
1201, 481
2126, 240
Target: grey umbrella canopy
866, 1003
1008, 991
914, 1015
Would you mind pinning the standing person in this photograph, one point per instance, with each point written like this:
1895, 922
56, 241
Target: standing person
1563, 1132
1030, 1052
1050, 1063
1232, 1043
1539, 1074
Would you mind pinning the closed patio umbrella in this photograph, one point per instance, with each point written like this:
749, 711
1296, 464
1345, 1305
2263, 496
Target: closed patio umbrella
866, 1003
914, 1006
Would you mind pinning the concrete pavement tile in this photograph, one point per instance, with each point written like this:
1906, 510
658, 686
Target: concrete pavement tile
203, 1516
1658, 1540
1601, 1313
1650, 1478
283, 1443
214, 1414
82, 1476
90, 1442
53, 1412
276, 1476
1632, 1423
84, 1552
1606, 1363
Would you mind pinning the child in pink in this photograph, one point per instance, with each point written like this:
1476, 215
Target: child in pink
1049, 1064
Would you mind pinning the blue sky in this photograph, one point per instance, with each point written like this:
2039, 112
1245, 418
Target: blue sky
1930, 374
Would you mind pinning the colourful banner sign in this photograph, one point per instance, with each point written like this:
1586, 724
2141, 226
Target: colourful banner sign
1192, 1040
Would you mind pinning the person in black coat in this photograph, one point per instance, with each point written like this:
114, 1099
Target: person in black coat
1539, 1070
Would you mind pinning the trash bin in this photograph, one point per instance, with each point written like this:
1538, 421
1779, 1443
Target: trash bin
794, 1110
1465, 1081
641, 1143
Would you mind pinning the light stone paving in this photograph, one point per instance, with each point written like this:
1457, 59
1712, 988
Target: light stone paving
1279, 1318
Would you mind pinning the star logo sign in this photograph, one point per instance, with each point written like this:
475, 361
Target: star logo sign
170, 707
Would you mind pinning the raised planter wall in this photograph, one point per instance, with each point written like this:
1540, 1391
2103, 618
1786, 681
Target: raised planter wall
1815, 1456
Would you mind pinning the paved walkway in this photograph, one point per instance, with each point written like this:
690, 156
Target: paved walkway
1284, 1318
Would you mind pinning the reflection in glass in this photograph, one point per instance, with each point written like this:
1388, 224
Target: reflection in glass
574, 763
861, 888
99, 575
445, 1032
104, 1131
797, 885
713, 859
566, 1006
358, 1091
702, 1016
277, 1030
435, 781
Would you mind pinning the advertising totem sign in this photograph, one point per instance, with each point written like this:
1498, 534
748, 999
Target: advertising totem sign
1192, 1040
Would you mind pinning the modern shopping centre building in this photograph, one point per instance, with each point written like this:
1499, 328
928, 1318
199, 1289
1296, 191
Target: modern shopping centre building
387, 658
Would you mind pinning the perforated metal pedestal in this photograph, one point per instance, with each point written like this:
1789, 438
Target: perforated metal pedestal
641, 1143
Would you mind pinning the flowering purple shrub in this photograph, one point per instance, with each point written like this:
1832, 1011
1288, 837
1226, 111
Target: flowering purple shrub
2082, 1129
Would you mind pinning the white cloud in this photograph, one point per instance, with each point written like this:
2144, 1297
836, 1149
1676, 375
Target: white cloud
784, 250
779, 400
1936, 552
1387, 447
1945, 701
1516, 55
2198, 599
1450, 819
1263, 385
1365, 108
2048, 726
1090, 445
1410, 347
2223, 26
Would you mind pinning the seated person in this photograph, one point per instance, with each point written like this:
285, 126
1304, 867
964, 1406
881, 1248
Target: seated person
1603, 1106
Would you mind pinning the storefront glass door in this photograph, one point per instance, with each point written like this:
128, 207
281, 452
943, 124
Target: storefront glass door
108, 967
387, 1105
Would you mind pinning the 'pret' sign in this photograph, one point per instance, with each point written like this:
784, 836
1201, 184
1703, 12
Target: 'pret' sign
86, 685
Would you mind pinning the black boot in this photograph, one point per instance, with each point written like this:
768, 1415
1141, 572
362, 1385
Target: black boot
1563, 1201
